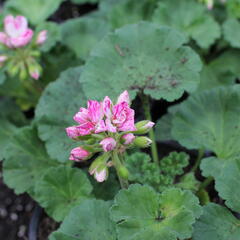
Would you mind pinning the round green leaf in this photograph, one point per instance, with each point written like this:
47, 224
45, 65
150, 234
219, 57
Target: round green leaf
190, 17
226, 174
61, 189
81, 34
55, 111
231, 31
167, 216
25, 161
141, 57
36, 11
53, 35
88, 221
210, 120
216, 223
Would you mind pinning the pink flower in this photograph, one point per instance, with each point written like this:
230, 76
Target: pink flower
124, 97
108, 144
42, 37
128, 138
149, 125
17, 34
79, 154
35, 74
3, 58
123, 117
72, 132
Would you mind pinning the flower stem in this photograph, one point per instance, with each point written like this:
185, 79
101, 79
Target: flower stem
147, 113
198, 161
117, 163
205, 183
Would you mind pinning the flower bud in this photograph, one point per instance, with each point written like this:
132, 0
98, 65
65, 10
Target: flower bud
3, 58
79, 154
101, 175
108, 144
143, 126
123, 172
35, 74
128, 138
42, 37
142, 142
72, 132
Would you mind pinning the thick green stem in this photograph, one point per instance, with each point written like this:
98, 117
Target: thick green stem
205, 183
117, 163
147, 112
198, 161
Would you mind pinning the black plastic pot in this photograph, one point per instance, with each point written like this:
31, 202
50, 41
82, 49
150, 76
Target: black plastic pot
34, 222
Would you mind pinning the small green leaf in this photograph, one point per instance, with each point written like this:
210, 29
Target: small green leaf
141, 57
25, 161
226, 174
89, 221
36, 11
61, 189
210, 120
55, 110
216, 223
231, 31
82, 34
167, 216
194, 24
53, 35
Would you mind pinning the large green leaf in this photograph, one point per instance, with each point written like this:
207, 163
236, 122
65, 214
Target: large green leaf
210, 120
191, 17
216, 223
167, 216
61, 189
53, 34
231, 31
89, 221
226, 174
36, 11
81, 34
25, 161
141, 57
55, 110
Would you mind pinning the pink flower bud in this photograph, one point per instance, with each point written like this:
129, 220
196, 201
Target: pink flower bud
3, 58
108, 144
149, 125
35, 74
42, 37
79, 154
210, 4
102, 175
72, 132
124, 97
128, 138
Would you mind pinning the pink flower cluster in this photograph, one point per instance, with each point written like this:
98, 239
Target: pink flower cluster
17, 33
104, 116
110, 128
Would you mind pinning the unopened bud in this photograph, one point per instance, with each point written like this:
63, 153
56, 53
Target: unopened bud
128, 138
108, 144
142, 142
123, 172
143, 127
42, 37
79, 154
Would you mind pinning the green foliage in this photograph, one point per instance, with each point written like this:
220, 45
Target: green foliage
59, 102
53, 35
25, 161
216, 223
210, 120
226, 174
142, 170
167, 216
90, 220
141, 57
233, 8
84, 1
231, 31
81, 34
190, 17
61, 189
2, 77
36, 11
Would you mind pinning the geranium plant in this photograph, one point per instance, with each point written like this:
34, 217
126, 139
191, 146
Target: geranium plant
123, 123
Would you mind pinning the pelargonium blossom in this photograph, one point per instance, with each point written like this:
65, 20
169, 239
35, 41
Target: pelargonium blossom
107, 128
